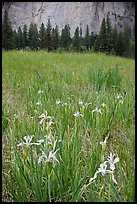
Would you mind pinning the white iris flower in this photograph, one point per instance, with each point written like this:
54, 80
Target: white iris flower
77, 114
51, 157
44, 116
97, 110
28, 142
103, 168
112, 161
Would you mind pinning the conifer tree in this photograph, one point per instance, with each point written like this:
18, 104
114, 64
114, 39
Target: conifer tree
65, 37
126, 39
42, 40
33, 36
114, 37
19, 38
25, 36
87, 38
81, 37
56, 37
49, 39
120, 44
15, 39
109, 35
76, 40
103, 36
96, 46
92, 40
7, 33
36, 37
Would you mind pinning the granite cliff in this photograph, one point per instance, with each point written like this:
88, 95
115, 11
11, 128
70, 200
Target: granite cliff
72, 13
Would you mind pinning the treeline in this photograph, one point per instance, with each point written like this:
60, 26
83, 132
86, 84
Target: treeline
109, 40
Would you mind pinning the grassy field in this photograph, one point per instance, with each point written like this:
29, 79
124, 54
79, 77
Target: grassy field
68, 127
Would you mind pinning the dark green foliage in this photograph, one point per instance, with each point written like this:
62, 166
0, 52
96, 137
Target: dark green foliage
15, 39
7, 33
109, 35
65, 37
76, 40
56, 37
126, 39
49, 39
81, 37
97, 43
114, 37
120, 44
42, 37
87, 38
103, 37
33, 37
25, 36
92, 40
108, 40
19, 38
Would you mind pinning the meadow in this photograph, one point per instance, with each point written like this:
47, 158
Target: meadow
68, 127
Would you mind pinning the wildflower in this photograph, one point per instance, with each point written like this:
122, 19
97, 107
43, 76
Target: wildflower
102, 169
44, 116
119, 96
35, 111
39, 103
64, 104
28, 142
58, 101
80, 102
121, 101
104, 143
97, 110
103, 105
49, 139
49, 123
41, 141
112, 161
40, 91
77, 114
16, 115
51, 157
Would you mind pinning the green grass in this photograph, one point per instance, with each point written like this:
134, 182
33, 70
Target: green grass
93, 78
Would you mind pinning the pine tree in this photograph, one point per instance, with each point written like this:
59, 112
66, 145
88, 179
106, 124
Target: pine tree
126, 39
81, 37
87, 38
30, 36
7, 33
114, 37
25, 36
49, 39
120, 44
92, 40
65, 37
103, 37
109, 35
96, 46
19, 38
56, 37
76, 40
33, 37
36, 37
42, 41
15, 39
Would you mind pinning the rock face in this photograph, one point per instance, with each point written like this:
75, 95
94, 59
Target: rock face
72, 13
